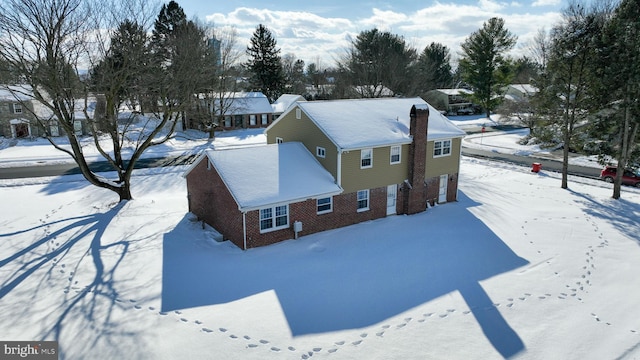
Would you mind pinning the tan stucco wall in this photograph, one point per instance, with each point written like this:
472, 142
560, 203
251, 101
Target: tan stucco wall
381, 174
304, 130
445, 164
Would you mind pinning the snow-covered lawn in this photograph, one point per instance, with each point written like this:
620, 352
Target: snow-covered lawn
516, 268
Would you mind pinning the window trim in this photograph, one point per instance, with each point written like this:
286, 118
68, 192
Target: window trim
279, 140
367, 198
17, 108
264, 119
253, 120
362, 158
298, 113
321, 152
399, 154
274, 218
442, 148
330, 204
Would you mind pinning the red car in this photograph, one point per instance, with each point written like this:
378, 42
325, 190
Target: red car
608, 174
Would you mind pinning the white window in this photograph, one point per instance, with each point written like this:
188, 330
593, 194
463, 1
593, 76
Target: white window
366, 158
320, 152
395, 155
442, 148
227, 121
298, 114
252, 120
17, 108
324, 205
274, 218
264, 119
279, 140
363, 200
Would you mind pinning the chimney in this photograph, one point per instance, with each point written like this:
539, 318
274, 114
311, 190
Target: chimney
415, 199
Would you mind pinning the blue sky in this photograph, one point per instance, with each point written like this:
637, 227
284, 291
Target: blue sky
321, 31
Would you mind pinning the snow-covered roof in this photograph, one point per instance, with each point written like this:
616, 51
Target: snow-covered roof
272, 174
360, 123
285, 101
240, 103
15, 93
524, 88
455, 91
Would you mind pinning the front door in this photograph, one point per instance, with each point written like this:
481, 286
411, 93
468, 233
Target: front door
391, 199
442, 195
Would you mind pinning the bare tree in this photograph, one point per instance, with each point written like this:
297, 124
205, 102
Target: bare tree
48, 42
218, 97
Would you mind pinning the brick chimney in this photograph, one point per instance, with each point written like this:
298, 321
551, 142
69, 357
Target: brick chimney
415, 196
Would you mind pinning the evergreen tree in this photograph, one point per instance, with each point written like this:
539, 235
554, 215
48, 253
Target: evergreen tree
264, 64
565, 84
615, 89
380, 59
434, 68
484, 66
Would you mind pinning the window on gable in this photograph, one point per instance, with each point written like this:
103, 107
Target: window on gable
366, 158
395, 155
279, 140
320, 152
17, 108
363, 200
324, 205
442, 148
298, 114
274, 218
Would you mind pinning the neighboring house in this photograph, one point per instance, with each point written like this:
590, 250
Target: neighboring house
284, 102
383, 156
240, 110
520, 92
451, 101
16, 114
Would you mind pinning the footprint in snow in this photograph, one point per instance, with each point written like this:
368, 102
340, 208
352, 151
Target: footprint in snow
207, 330
317, 349
264, 341
275, 349
340, 342
291, 348
357, 342
331, 351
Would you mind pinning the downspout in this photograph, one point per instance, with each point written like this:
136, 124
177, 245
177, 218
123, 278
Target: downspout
244, 228
339, 170
459, 163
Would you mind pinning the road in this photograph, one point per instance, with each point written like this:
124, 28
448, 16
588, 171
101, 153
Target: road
547, 164
102, 166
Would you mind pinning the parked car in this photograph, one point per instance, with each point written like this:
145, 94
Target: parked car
465, 111
608, 174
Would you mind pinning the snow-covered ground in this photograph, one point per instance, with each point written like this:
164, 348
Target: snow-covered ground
517, 268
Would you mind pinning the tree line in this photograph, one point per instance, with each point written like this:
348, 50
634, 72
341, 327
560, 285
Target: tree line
156, 61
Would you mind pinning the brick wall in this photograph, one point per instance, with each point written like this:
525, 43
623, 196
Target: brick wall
210, 201
344, 213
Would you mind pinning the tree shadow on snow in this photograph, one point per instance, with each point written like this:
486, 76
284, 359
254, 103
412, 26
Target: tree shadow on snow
352, 277
83, 312
622, 214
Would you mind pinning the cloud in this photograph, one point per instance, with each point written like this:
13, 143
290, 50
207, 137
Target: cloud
312, 37
546, 3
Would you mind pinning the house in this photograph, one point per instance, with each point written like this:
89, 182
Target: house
520, 92
363, 159
450, 100
284, 102
240, 110
16, 113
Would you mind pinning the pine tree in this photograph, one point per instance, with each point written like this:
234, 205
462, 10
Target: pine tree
615, 89
264, 64
434, 68
484, 65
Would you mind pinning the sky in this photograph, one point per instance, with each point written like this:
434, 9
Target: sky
321, 31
